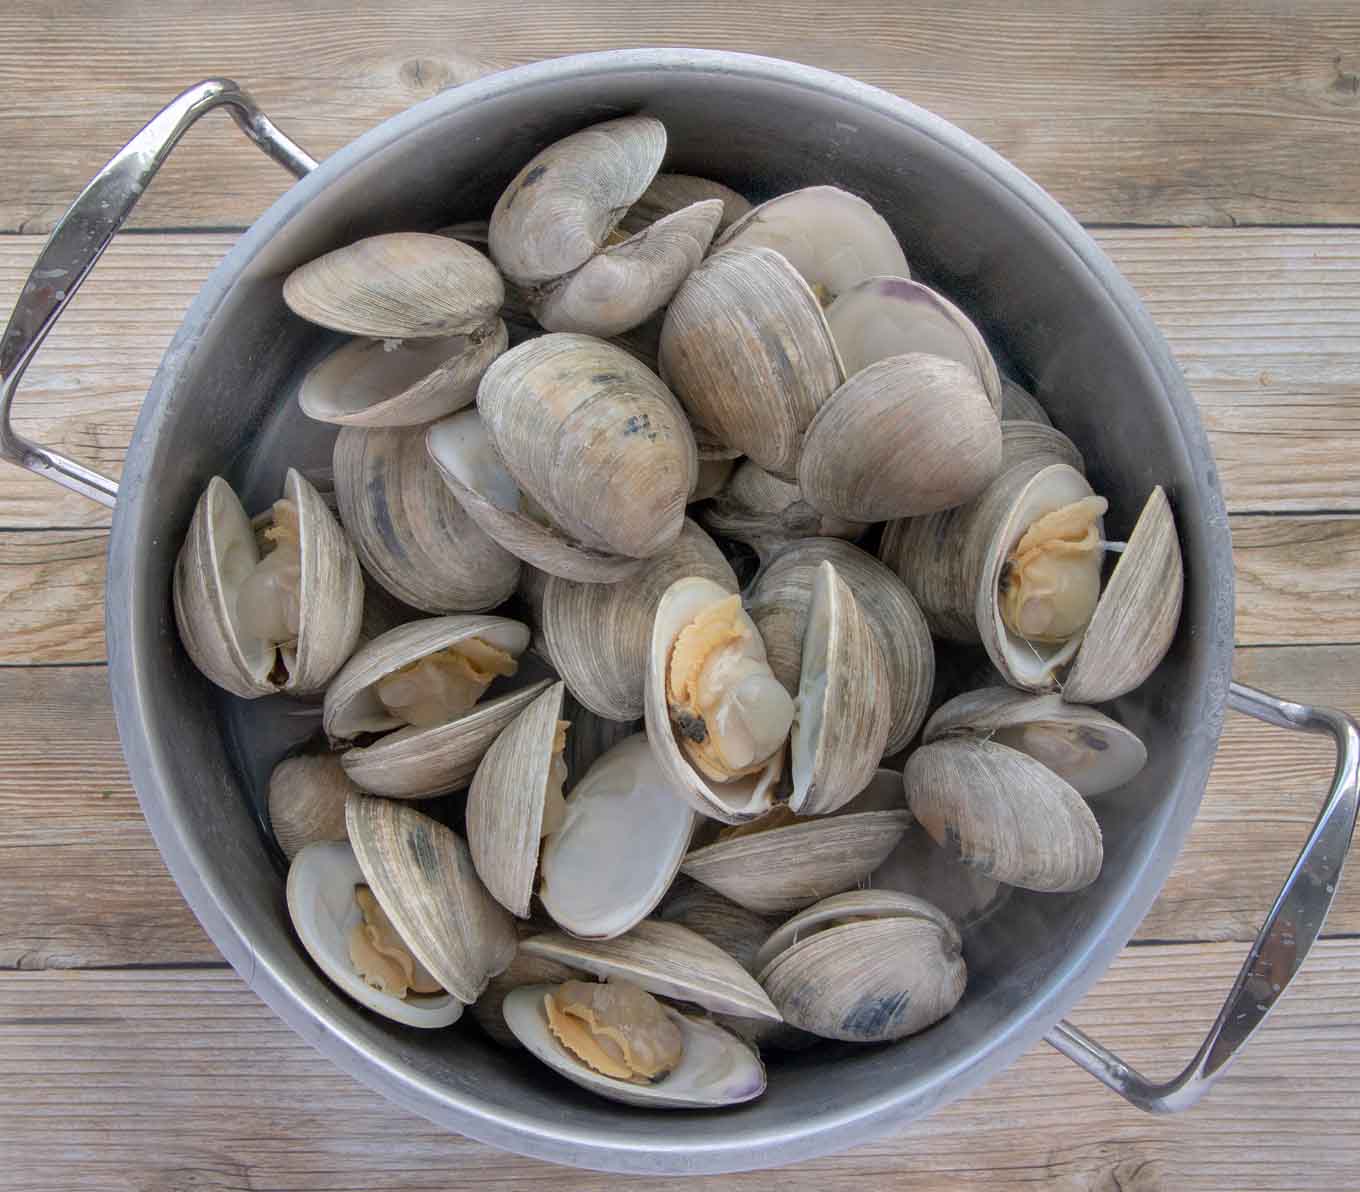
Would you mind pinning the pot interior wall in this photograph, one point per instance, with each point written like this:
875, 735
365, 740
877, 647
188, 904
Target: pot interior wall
224, 404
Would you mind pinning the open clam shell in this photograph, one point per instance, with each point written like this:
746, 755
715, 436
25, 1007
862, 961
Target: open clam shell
559, 209
595, 438
747, 351
716, 1068
892, 316
619, 847
404, 285
411, 534
1082, 746
1138, 612
422, 875
781, 594
833, 238
321, 904
307, 797
1005, 814
844, 701
218, 556
666, 960
1019, 405
904, 436
669, 193
374, 382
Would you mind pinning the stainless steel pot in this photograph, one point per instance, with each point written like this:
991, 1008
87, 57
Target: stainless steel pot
1050, 302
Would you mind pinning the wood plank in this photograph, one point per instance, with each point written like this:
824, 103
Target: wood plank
1154, 113
184, 1079
52, 595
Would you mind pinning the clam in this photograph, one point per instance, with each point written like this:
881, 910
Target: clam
425, 681
844, 701
717, 718
712, 477
422, 876
1019, 405
767, 513
411, 534
783, 862
712, 1067
1082, 746
778, 603
338, 921
596, 440
920, 867
462, 451
905, 436
1005, 814
559, 210
284, 621
670, 193
833, 238
867, 966
404, 285
487, 1010
380, 382
307, 801
598, 635
748, 353
892, 316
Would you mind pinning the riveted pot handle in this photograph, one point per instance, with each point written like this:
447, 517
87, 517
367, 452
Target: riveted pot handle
1284, 941
80, 239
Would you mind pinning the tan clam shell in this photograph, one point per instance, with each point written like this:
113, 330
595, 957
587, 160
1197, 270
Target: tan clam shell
778, 603
373, 382
421, 874
524, 970
474, 473
505, 802
403, 285
1019, 405
713, 477
1005, 814
747, 351
625, 285
411, 534
598, 636
206, 583
669, 193
559, 209
595, 438
307, 801
905, 436
666, 960
844, 701
1136, 618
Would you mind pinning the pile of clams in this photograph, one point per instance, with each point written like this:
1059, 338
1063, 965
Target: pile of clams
653, 773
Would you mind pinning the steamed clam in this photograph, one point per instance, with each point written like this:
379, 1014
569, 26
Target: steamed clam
307, 797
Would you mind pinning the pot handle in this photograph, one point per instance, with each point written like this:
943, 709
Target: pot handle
1284, 941
81, 237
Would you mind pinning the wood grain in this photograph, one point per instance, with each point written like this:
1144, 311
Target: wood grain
1152, 113
174, 1080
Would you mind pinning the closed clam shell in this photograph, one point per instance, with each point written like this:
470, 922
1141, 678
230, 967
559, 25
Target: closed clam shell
307, 801
524, 970
666, 960
747, 351
480, 482
598, 635
885, 976
669, 193
1005, 814
1019, 405
905, 436
403, 285
218, 555
844, 701
778, 602
422, 875
1138, 612
559, 209
374, 382
411, 534
892, 316
1082, 746
595, 438
833, 238
625, 285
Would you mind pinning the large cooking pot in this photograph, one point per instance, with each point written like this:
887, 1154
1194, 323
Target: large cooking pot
1054, 308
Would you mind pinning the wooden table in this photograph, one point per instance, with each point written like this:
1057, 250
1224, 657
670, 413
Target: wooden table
1215, 152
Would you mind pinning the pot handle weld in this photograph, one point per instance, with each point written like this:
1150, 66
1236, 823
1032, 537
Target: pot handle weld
79, 240
1283, 942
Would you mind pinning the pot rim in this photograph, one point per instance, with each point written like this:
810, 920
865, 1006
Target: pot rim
729, 1145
